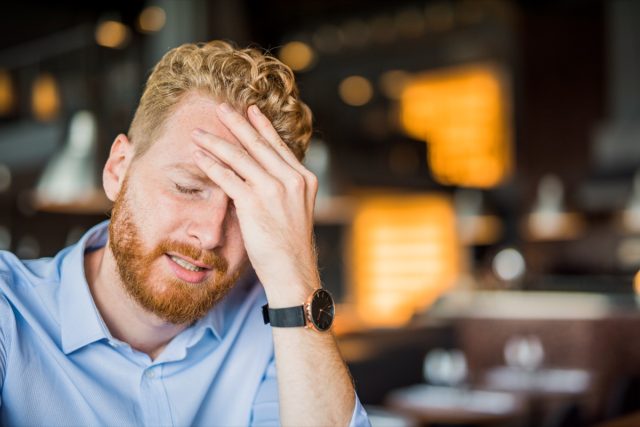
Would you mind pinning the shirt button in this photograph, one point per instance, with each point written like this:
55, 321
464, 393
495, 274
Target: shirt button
150, 374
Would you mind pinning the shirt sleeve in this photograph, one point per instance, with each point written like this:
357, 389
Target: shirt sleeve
266, 411
6, 315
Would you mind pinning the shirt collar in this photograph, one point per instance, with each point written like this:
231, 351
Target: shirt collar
80, 321
214, 320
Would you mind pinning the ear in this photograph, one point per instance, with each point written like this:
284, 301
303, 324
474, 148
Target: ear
115, 169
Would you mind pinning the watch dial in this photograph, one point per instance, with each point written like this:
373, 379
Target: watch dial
322, 310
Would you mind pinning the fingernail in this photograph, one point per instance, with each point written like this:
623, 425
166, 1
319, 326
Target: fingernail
199, 154
255, 110
225, 108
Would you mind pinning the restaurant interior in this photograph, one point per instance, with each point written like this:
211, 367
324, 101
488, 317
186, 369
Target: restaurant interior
478, 217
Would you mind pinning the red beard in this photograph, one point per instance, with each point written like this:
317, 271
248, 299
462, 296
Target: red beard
171, 299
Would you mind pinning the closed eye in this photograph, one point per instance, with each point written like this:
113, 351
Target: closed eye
186, 190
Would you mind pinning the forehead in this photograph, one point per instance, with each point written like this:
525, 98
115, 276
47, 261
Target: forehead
175, 146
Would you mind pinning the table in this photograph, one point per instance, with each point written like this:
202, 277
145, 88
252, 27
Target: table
569, 382
450, 405
547, 391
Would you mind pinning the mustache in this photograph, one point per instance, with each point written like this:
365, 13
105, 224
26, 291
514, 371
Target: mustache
209, 258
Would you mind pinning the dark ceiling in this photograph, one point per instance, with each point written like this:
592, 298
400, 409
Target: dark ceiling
267, 20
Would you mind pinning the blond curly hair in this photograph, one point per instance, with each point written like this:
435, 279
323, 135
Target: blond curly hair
240, 77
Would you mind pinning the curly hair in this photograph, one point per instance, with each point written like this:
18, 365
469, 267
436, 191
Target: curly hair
240, 77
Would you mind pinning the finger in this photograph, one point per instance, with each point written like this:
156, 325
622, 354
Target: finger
254, 143
235, 157
225, 178
264, 126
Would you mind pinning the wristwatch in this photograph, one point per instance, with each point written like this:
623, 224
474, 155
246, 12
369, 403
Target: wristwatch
317, 313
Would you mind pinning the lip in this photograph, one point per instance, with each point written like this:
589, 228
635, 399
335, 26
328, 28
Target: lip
189, 260
187, 275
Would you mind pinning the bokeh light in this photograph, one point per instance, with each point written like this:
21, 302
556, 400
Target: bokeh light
297, 55
152, 19
7, 97
464, 115
45, 97
355, 91
112, 34
509, 265
404, 254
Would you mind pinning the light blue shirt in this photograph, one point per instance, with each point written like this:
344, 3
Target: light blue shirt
60, 366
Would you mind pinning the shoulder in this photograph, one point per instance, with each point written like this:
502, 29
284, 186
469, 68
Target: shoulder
29, 287
19, 276
5, 306
7, 318
10, 267
8, 263
7, 326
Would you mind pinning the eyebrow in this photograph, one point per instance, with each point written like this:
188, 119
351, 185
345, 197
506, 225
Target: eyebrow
188, 169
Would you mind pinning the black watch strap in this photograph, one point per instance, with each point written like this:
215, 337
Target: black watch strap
289, 317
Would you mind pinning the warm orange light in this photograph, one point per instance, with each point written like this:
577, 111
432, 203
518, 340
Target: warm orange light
464, 115
355, 91
405, 253
112, 34
151, 19
297, 55
636, 282
6, 93
45, 97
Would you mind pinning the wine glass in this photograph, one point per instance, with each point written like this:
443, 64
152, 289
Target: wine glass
524, 352
445, 367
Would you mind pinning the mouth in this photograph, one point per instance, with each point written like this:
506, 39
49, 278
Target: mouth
187, 269
189, 265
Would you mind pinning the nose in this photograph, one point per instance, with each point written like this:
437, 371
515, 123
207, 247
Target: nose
208, 221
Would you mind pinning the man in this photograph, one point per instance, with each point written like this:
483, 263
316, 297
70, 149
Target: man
156, 318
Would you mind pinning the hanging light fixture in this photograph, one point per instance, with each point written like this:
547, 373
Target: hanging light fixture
549, 219
476, 224
631, 213
69, 181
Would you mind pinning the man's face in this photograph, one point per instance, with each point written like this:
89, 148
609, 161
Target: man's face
173, 232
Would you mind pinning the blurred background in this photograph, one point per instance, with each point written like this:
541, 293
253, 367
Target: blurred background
479, 212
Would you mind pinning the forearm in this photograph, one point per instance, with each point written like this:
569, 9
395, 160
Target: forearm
274, 195
314, 384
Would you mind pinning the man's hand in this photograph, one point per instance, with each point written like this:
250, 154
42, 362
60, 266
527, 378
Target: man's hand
274, 196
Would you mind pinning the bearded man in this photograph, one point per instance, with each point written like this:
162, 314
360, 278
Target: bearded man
157, 317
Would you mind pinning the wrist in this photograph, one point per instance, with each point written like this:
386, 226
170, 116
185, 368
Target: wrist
316, 313
290, 286
289, 294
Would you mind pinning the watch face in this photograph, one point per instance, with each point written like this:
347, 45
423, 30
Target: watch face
322, 310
